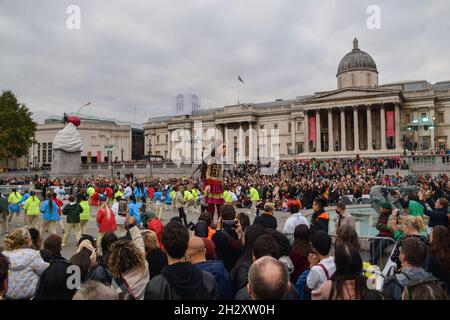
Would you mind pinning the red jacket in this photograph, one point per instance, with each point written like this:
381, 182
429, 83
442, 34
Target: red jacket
151, 193
109, 193
105, 224
59, 203
95, 200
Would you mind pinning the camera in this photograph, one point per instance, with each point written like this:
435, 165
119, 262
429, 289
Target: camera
230, 223
191, 225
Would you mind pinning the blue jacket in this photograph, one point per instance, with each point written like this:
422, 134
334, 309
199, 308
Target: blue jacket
134, 211
217, 269
48, 215
157, 196
24, 198
168, 198
137, 192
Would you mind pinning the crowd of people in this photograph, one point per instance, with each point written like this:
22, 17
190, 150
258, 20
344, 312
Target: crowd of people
137, 254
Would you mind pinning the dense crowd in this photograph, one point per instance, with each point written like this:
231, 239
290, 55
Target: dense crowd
136, 254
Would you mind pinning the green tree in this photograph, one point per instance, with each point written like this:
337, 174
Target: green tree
17, 128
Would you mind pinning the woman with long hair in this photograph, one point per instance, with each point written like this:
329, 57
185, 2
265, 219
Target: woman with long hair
439, 255
106, 221
408, 227
347, 234
127, 264
32, 211
155, 257
301, 249
50, 215
348, 282
239, 274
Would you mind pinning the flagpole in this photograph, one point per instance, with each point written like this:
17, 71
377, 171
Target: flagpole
238, 92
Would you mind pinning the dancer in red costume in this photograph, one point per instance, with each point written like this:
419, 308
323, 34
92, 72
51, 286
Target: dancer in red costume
212, 176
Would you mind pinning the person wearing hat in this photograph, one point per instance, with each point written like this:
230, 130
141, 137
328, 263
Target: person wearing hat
377, 246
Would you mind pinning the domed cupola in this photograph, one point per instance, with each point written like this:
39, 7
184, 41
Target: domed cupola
357, 69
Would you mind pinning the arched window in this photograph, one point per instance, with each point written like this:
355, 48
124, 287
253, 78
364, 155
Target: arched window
180, 102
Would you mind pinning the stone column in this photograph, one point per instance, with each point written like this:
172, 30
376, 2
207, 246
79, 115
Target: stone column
169, 145
306, 131
241, 147
383, 128
318, 143
330, 131
251, 143
398, 143
343, 137
355, 129
369, 128
433, 130
293, 136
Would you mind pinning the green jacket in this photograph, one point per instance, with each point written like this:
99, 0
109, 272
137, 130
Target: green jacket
227, 197
73, 211
85, 215
254, 195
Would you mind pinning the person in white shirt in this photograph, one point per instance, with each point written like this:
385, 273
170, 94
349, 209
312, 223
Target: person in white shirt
60, 192
322, 265
128, 192
295, 219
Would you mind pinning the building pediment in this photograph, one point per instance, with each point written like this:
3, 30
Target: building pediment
352, 94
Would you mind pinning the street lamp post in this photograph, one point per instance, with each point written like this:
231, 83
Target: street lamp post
149, 153
110, 148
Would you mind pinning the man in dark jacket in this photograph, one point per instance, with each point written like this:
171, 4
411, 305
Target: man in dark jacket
72, 211
180, 280
267, 220
320, 219
197, 256
438, 214
226, 239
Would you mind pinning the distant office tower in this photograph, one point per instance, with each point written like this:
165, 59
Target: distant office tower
186, 102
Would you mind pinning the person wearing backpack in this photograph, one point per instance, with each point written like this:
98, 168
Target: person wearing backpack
413, 253
321, 263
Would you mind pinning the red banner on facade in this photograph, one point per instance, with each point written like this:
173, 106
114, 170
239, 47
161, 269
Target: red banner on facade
99, 157
312, 128
390, 124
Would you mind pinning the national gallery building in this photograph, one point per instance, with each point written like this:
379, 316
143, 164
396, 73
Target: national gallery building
359, 117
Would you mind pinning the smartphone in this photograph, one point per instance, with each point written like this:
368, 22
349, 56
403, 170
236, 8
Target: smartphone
123, 207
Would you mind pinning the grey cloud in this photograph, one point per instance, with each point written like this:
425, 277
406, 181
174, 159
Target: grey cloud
136, 54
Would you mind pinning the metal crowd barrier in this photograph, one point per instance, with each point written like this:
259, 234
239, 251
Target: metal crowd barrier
365, 243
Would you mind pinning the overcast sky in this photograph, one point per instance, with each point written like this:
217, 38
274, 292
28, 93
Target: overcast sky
135, 55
